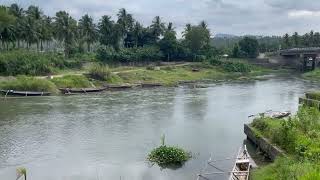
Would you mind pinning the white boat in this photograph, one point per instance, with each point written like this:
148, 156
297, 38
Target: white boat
241, 168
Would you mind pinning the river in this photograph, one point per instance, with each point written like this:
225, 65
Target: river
108, 136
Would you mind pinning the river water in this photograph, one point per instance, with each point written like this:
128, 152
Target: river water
108, 136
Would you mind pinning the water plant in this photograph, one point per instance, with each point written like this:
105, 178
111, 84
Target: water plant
168, 156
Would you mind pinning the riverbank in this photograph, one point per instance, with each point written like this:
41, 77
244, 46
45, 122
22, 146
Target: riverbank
312, 75
166, 75
299, 137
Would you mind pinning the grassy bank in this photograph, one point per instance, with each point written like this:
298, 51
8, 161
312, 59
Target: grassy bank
312, 75
299, 136
98, 74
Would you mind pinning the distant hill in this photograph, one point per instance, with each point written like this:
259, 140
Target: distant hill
221, 35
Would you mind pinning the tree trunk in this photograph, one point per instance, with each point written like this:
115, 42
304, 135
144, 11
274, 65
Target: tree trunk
41, 45
88, 44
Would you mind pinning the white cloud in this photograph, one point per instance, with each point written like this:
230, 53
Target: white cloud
259, 17
303, 14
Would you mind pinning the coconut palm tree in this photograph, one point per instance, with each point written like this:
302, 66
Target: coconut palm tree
18, 12
88, 30
105, 26
65, 28
157, 27
137, 33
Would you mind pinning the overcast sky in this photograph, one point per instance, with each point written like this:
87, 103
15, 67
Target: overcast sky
239, 17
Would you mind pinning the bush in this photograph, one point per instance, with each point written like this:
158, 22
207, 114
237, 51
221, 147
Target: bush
71, 81
166, 156
23, 62
23, 83
236, 66
100, 72
313, 95
129, 55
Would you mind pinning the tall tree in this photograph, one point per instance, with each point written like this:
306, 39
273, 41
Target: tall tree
286, 41
65, 30
169, 44
138, 34
197, 38
126, 23
105, 26
157, 28
88, 30
249, 46
296, 39
19, 14
7, 21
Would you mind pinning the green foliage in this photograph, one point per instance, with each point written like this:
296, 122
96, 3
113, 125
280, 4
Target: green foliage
24, 83
285, 168
313, 95
166, 156
32, 63
100, 72
71, 81
236, 66
299, 136
249, 46
129, 55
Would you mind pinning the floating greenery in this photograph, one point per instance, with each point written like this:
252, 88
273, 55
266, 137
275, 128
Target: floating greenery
168, 156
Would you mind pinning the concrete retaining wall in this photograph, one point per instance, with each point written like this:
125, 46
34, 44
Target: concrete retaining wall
262, 143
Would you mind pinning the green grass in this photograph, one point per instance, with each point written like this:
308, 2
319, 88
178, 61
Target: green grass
72, 81
312, 75
24, 83
299, 136
171, 75
286, 168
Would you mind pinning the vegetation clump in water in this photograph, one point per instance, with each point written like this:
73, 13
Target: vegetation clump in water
167, 156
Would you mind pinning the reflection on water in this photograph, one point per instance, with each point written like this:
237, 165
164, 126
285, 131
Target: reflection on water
107, 136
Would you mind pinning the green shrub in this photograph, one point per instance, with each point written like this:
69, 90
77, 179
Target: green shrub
23, 83
129, 55
100, 72
166, 156
72, 81
236, 66
259, 124
22, 62
313, 95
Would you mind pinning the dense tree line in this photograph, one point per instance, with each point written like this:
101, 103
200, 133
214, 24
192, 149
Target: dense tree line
31, 29
311, 39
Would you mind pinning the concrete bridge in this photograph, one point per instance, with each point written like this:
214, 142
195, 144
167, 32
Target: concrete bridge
305, 59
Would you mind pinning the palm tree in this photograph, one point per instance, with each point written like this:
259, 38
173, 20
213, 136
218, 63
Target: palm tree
187, 29
46, 32
65, 30
137, 33
88, 30
6, 26
203, 24
126, 23
157, 27
20, 16
105, 26
34, 18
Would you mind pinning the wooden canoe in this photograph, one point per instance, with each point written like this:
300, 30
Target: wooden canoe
241, 168
24, 93
80, 90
